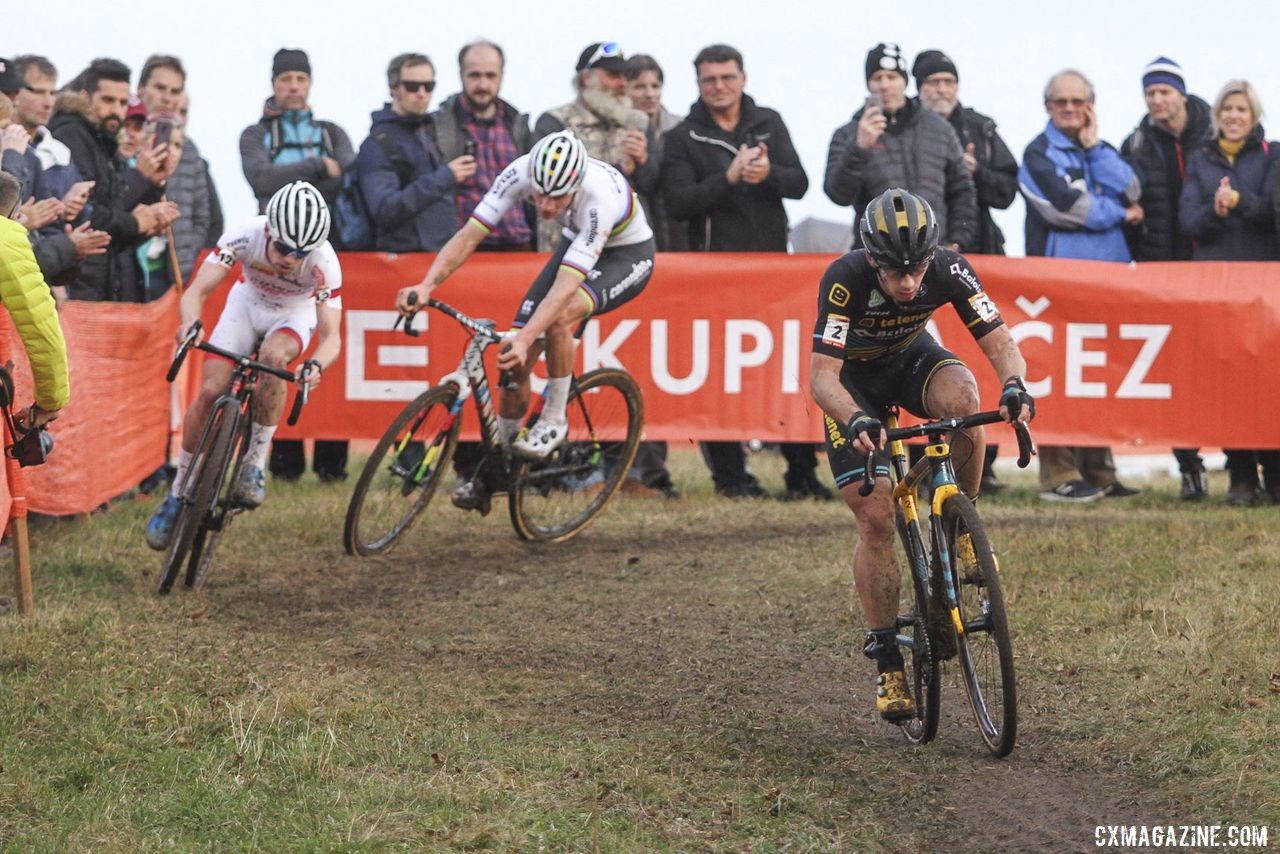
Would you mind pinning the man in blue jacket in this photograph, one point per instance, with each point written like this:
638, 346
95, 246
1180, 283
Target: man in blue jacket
1080, 194
407, 187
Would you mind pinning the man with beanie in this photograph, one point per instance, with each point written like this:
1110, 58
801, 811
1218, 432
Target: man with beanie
606, 121
987, 160
289, 144
893, 141
1175, 125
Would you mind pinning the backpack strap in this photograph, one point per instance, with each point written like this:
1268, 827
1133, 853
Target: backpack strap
326, 138
276, 143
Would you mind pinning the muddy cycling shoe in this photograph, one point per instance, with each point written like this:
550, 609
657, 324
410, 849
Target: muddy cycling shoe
893, 697
540, 439
160, 527
472, 494
478, 491
250, 488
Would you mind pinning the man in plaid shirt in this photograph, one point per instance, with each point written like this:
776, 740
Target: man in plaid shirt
478, 122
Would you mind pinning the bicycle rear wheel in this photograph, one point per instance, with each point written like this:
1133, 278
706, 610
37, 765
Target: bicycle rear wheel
208, 465
402, 472
219, 517
985, 650
923, 669
555, 498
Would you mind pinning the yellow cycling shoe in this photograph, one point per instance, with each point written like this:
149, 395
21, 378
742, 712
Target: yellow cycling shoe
893, 697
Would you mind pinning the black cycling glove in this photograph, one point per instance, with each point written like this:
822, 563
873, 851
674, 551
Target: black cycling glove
1015, 397
861, 422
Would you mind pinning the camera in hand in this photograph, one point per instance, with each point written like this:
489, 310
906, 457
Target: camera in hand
33, 448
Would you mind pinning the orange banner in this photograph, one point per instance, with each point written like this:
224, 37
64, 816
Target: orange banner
1119, 354
114, 432
1126, 355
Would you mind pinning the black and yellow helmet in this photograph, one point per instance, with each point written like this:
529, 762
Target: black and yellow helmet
899, 229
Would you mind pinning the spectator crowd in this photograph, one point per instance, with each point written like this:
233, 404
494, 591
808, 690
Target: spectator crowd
117, 201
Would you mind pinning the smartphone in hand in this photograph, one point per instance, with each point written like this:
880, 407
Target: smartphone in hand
164, 132
469, 147
874, 100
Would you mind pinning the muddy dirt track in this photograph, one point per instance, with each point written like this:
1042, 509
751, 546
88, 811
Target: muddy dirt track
739, 639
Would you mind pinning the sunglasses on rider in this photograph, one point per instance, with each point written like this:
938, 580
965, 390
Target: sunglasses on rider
418, 85
286, 250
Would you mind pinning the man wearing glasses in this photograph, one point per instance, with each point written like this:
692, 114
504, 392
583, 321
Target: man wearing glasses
1080, 194
406, 185
289, 289
725, 170
289, 144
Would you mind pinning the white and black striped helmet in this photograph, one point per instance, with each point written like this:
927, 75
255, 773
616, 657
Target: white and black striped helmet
298, 216
559, 163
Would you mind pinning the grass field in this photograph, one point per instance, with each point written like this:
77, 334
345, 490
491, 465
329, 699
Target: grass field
685, 675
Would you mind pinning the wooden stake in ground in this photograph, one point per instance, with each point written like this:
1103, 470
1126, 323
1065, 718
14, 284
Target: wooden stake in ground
22, 566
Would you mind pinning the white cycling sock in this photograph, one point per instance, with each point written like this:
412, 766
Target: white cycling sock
509, 427
184, 463
554, 398
259, 444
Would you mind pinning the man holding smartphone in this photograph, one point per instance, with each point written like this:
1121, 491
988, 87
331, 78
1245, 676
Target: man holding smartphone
477, 123
894, 141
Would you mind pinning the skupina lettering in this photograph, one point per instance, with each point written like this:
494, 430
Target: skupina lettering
1181, 836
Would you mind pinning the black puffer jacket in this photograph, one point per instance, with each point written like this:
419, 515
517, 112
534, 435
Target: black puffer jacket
918, 152
116, 191
996, 178
1248, 231
726, 217
1160, 161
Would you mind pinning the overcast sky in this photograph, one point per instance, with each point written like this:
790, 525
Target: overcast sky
804, 59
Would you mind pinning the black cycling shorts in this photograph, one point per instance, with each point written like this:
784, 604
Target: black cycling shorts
618, 277
898, 379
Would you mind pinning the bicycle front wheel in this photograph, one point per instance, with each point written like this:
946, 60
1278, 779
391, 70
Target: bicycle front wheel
923, 668
208, 466
555, 498
985, 650
403, 472
219, 518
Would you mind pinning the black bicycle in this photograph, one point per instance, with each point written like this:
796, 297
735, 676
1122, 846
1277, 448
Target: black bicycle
551, 499
955, 607
207, 507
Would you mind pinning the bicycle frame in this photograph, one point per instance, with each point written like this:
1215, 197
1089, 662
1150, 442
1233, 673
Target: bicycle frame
470, 379
942, 485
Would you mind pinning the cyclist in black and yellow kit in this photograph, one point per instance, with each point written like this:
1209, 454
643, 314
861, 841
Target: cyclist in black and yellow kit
871, 351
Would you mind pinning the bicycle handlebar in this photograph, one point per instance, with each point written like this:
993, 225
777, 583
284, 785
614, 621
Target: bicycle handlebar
1026, 445
189, 343
181, 355
304, 390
